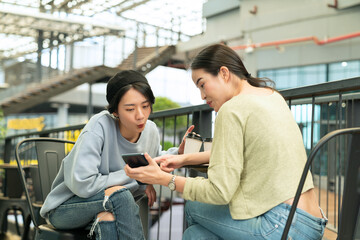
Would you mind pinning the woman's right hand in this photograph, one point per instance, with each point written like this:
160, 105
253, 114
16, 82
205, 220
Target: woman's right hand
170, 162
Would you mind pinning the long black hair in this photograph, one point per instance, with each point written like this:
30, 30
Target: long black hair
212, 58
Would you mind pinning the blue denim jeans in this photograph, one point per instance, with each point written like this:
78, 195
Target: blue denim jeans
82, 212
214, 222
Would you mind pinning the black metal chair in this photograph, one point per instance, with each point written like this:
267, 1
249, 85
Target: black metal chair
49, 153
12, 199
349, 213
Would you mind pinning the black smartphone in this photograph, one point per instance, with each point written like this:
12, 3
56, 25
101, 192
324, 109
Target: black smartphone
135, 160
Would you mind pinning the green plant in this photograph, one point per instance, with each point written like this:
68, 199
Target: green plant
163, 103
2, 125
167, 145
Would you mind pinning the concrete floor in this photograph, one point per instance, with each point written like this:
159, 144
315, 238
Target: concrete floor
9, 236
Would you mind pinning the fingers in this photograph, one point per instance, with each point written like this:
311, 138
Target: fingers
190, 129
153, 197
151, 194
166, 169
131, 172
149, 159
160, 159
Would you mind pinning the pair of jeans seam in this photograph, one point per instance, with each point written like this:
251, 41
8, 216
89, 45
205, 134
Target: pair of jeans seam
302, 234
273, 227
317, 226
71, 205
224, 225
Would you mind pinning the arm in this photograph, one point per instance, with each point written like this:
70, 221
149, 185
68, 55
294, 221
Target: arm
170, 162
224, 172
154, 175
177, 150
81, 168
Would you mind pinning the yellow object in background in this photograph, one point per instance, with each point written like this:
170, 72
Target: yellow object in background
26, 123
72, 136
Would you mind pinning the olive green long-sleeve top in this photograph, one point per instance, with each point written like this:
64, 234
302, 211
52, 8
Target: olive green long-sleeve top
256, 160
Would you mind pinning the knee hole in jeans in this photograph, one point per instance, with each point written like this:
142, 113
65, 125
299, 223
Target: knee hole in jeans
105, 216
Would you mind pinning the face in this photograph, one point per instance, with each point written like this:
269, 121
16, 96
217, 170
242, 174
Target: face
133, 111
213, 89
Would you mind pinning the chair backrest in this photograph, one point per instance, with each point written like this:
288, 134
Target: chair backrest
49, 154
351, 195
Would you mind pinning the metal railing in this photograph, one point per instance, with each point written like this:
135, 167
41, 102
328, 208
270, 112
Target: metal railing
318, 109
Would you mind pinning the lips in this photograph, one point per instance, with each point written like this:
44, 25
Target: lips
140, 125
209, 103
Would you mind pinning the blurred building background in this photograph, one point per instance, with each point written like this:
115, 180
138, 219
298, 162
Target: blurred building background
57, 55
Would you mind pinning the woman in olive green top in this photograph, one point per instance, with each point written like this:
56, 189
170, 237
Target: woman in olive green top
255, 163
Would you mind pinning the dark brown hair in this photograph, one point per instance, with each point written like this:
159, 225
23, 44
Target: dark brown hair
143, 88
212, 58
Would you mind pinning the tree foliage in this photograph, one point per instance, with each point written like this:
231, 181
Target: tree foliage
163, 103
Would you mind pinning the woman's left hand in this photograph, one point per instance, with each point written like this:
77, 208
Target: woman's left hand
150, 174
182, 144
151, 194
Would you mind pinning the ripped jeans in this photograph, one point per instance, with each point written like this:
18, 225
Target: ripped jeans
80, 212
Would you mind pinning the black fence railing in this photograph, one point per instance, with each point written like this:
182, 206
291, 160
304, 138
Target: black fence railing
318, 109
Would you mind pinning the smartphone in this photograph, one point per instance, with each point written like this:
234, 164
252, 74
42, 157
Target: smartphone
135, 160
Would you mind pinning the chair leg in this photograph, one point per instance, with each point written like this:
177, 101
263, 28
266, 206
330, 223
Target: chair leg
26, 233
15, 210
2, 220
5, 221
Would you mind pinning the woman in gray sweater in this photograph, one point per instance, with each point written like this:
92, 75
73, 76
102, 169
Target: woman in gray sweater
91, 183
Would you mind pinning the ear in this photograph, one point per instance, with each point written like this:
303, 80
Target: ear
224, 73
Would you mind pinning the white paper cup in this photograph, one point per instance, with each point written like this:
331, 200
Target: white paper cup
207, 144
193, 143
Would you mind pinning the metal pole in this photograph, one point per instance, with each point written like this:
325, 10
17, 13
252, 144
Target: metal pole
39, 53
50, 51
90, 105
104, 50
157, 41
72, 50
136, 47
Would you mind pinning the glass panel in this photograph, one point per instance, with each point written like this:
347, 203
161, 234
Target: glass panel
342, 70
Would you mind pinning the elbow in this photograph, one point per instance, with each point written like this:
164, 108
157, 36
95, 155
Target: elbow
224, 194
223, 200
83, 194
82, 190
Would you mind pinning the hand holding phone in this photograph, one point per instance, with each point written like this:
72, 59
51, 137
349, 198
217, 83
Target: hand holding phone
135, 160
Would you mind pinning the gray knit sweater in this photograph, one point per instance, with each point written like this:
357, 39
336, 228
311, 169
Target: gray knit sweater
95, 162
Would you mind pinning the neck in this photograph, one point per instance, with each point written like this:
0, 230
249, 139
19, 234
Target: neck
130, 136
240, 86
246, 87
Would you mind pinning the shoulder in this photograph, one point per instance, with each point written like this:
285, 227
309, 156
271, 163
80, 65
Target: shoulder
102, 117
151, 127
237, 105
100, 123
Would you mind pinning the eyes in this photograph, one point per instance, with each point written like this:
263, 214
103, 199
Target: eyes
201, 84
145, 106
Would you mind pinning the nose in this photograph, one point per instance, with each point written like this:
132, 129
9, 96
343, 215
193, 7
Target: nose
139, 113
203, 96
